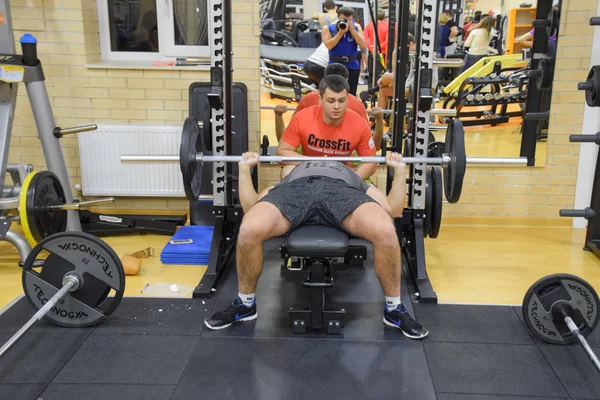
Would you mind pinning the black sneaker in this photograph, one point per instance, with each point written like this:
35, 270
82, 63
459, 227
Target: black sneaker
399, 318
236, 312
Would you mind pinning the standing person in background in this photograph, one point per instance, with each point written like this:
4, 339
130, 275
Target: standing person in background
329, 15
314, 66
342, 39
450, 30
473, 24
478, 43
369, 34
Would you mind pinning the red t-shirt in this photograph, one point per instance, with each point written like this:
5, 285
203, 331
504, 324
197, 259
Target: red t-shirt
312, 99
307, 129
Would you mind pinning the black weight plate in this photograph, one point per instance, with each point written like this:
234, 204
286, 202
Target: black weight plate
192, 144
92, 260
592, 96
45, 190
436, 149
546, 294
545, 73
207, 127
428, 207
407, 148
454, 173
437, 203
553, 19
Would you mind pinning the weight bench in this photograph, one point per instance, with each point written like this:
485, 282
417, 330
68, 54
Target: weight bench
318, 247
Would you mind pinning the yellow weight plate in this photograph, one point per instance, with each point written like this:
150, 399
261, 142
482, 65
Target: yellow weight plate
23, 209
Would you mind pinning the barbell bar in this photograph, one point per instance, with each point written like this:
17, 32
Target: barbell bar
444, 160
434, 111
13, 203
60, 132
71, 283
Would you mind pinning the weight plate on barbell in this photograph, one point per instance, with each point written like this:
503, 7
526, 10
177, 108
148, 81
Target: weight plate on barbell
192, 143
552, 291
407, 148
96, 265
592, 96
428, 208
454, 173
39, 190
553, 22
436, 149
545, 70
207, 127
435, 217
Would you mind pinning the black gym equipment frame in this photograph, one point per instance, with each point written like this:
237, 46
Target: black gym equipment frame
538, 101
410, 227
227, 216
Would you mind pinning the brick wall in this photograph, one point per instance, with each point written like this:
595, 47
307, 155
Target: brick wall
67, 33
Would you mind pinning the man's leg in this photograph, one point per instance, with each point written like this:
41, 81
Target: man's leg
264, 221
353, 76
370, 222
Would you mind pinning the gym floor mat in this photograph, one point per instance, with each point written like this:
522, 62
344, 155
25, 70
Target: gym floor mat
140, 352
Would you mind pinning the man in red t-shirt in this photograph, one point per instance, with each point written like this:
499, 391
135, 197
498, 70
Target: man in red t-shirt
312, 99
329, 129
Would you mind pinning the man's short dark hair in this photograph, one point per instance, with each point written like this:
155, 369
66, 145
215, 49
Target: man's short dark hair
329, 4
412, 17
411, 38
337, 69
380, 15
347, 11
335, 83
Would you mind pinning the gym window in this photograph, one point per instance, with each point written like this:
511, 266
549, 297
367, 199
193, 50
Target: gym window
151, 30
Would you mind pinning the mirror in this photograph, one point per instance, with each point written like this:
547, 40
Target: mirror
484, 72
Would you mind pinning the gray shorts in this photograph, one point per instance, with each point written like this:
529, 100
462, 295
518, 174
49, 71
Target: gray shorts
316, 200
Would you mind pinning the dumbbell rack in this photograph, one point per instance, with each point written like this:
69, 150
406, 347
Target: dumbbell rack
471, 87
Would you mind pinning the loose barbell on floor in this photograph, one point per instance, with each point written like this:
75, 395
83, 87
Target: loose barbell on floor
433, 111
43, 207
71, 286
562, 309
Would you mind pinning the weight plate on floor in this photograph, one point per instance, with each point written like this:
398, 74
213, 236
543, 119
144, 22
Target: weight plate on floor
40, 190
207, 127
545, 296
454, 173
96, 265
592, 95
435, 223
192, 144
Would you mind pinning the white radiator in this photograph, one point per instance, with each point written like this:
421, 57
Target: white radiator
103, 173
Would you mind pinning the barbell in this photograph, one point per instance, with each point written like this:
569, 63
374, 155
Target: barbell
562, 309
71, 285
43, 207
433, 111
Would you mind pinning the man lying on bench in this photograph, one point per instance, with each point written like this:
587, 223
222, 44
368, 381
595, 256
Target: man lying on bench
320, 193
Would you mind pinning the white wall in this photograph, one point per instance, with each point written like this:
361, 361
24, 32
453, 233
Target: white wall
588, 152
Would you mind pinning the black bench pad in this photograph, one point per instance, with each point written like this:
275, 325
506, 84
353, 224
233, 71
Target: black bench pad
317, 241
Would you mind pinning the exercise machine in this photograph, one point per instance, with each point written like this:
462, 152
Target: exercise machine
26, 68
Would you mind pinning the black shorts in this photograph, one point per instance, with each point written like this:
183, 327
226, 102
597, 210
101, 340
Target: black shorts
316, 200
